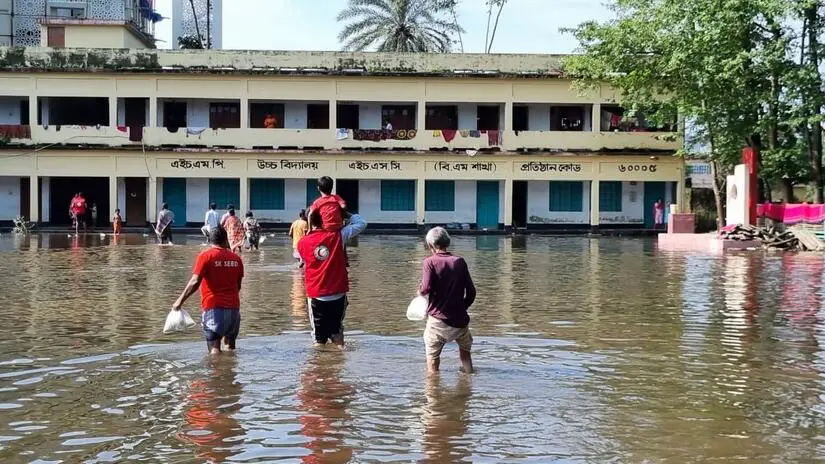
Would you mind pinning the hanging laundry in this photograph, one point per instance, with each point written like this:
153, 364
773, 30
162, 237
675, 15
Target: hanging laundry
374, 135
475, 134
464, 133
195, 130
341, 133
493, 138
122, 129
15, 131
615, 121
449, 135
436, 133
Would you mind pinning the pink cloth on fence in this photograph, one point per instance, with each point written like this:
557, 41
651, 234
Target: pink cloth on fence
792, 213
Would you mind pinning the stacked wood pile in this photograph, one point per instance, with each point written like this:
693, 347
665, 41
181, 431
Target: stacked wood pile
770, 237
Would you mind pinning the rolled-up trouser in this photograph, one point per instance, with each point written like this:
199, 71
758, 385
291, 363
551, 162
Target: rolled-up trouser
205, 230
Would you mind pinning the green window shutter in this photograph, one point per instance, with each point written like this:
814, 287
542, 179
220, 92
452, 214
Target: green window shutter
566, 196
439, 195
266, 194
397, 195
610, 197
312, 191
225, 192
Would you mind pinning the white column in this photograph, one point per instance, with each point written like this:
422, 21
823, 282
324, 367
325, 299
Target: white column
508, 116
33, 110
244, 113
594, 203
112, 111
508, 202
333, 114
34, 199
596, 117
112, 197
420, 204
44, 199
153, 198
244, 206
153, 111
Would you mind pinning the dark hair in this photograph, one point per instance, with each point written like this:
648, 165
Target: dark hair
217, 236
315, 219
231, 211
164, 205
213, 205
249, 214
325, 185
303, 214
230, 206
117, 210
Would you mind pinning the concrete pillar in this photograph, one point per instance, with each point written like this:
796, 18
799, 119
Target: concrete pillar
112, 111
153, 112
508, 203
33, 110
244, 206
421, 116
112, 197
508, 116
420, 204
45, 204
596, 117
333, 114
594, 203
34, 199
244, 113
153, 198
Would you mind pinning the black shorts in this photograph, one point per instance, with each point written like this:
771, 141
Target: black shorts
327, 319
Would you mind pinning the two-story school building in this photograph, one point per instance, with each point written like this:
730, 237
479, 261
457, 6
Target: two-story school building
491, 141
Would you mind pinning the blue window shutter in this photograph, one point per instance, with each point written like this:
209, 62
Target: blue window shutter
397, 195
566, 196
610, 197
266, 194
225, 192
439, 195
312, 191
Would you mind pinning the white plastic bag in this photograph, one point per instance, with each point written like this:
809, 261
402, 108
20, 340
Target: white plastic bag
417, 310
178, 321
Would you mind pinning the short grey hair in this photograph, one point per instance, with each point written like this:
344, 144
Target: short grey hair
438, 238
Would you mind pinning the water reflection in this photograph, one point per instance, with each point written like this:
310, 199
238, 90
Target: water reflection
446, 419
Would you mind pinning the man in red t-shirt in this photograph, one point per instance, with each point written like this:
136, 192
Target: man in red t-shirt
325, 276
218, 272
77, 210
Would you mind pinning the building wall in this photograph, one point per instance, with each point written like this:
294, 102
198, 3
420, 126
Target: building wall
369, 205
91, 36
130, 40
632, 206
295, 115
10, 195
197, 199
465, 206
538, 206
10, 110
295, 197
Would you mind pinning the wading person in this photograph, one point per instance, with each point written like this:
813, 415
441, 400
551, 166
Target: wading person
252, 230
164, 227
331, 207
117, 222
210, 221
446, 282
235, 231
325, 277
297, 230
77, 211
218, 273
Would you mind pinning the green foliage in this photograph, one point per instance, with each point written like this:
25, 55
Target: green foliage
397, 26
190, 42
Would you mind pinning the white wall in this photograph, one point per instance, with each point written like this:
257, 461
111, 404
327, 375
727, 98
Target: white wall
465, 206
538, 206
197, 113
295, 115
632, 206
197, 200
10, 110
538, 117
369, 205
45, 199
467, 116
10, 198
295, 198
369, 115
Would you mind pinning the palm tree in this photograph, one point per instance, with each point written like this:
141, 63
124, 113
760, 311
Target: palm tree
396, 26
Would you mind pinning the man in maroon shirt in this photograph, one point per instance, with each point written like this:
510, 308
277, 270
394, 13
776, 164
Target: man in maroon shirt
446, 281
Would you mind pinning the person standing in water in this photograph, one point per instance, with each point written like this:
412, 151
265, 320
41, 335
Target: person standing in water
446, 282
297, 230
218, 273
211, 220
325, 276
77, 210
658, 213
164, 225
235, 230
117, 222
252, 230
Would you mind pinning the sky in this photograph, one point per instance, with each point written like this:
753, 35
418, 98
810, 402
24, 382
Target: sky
526, 26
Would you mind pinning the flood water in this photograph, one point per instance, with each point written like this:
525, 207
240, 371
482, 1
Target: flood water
588, 350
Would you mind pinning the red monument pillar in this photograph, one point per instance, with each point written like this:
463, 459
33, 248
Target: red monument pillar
750, 158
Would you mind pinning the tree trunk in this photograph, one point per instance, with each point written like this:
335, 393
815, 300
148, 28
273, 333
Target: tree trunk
786, 187
812, 20
717, 195
495, 26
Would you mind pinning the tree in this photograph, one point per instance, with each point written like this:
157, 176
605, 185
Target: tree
396, 26
190, 42
493, 6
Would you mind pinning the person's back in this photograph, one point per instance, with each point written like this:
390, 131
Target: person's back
221, 271
446, 280
323, 254
331, 210
211, 220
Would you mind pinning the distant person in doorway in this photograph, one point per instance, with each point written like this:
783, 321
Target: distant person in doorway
163, 229
218, 273
117, 222
270, 122
659, 213
235, 231
94, 215
252, 230
331, 207
387, 125
210, 221
297, 230
446, 282
325, 276
77, 211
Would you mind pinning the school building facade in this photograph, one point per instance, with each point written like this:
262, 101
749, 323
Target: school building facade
490, 141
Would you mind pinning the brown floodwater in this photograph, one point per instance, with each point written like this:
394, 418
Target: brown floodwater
588, 350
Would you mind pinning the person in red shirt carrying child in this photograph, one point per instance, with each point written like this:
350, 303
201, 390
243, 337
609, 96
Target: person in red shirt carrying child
77, 210
325, 276
330, 206
218, 273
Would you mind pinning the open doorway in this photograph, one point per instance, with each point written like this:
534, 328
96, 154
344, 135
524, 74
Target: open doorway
135, 201
135, 117
94, 189
519, 203
488, 117
348, 190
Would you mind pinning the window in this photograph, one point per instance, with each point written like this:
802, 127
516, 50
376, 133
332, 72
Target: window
521, 118
318, 116
566, 118
441, 117
174, 115
397, 195
225, 192
610, 197
56, 37
266, 115
224, 115
487, 117
439, 195
566, 196
400, 116
266, 194
312, 191
76, 111
347, 116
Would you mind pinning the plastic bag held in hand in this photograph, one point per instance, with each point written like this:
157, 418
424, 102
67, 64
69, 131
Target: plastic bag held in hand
417, 310
178, 321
